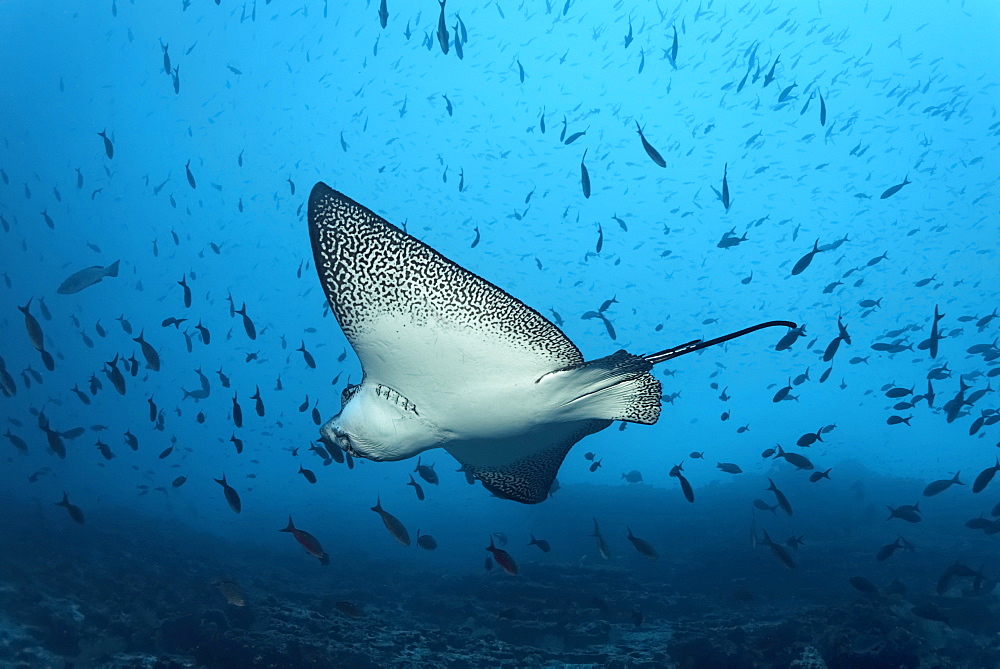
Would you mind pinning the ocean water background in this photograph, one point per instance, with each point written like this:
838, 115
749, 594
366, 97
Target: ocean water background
316, 91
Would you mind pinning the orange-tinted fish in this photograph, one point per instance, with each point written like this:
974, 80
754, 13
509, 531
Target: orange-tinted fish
396, 528
231, 592
502, 558
308, 542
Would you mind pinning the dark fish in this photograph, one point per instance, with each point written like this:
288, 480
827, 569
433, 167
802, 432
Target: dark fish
907, 512
109, 148
769, 77
396, 528
179, 481
575, 136
416, 487
822, 109
935, 333
475, 242
47, 360
542, 544
74, 511
17, 442
985, 477
818, 475
258, 402
673, 49
725, 187
764, 506
238, 444
831, 350
804, 261
633, 476
862, 584
779, 551
442, 37
937, 487
77, 432
892, 190
166, 57
786, 92
794, 459
780, 498
643, 546
584, 176
231, 495
502, 558
115, 375
843, 334
426, 541
33, 327
426, 473
131, 440
206, 336
729, 468
53, 438
190, 176
789, 338
686, 488
248, 325
237, 412
887, 551
783, 392
307, 541
809, 438
650, 151
307, 355
105, 450
602, 547
187, 291
307, 474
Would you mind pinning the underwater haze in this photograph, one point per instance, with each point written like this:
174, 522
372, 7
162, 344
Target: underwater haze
644, 175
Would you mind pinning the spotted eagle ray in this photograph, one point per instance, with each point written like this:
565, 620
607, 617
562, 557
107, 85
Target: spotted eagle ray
451, 361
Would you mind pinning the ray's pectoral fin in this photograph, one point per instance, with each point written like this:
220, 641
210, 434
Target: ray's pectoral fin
528, 478
616, 387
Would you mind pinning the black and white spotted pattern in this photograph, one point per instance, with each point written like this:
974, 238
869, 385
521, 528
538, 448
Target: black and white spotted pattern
528, 479
368, 267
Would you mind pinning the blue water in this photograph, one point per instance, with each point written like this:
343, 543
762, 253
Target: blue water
272, 97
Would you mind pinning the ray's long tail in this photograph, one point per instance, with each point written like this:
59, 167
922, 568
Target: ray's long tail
699, 344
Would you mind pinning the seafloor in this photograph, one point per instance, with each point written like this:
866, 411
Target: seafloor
145, 595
